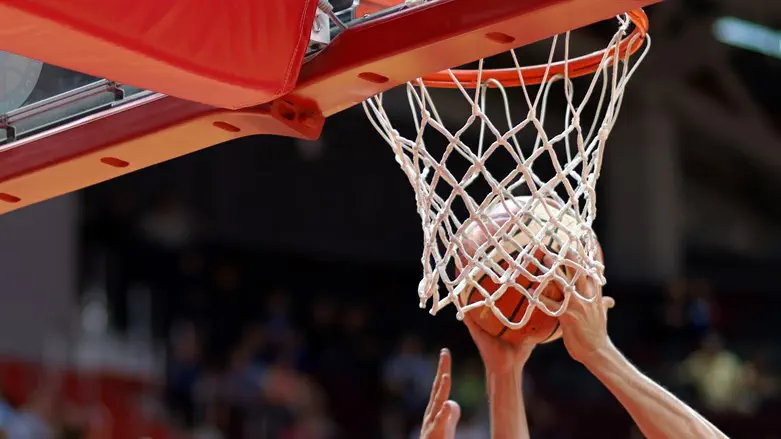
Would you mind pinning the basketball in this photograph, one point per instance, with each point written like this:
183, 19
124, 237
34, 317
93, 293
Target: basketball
541, 328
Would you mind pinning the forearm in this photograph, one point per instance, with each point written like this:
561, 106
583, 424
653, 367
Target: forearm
505, 399
657, 412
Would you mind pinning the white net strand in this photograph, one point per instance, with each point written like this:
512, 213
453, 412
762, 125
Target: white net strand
451, 209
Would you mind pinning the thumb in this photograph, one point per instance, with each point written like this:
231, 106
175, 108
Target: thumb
608, 302
551, 304
454, 413
446, 420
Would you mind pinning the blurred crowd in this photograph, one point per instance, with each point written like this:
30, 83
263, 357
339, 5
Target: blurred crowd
44, 415
267, 345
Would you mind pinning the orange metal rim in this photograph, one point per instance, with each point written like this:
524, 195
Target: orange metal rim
535, 75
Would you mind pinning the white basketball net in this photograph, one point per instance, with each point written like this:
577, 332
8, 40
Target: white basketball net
572, 155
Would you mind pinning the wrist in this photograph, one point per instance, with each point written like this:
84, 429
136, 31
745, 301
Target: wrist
502, 380
512, 371
504, 369
602, 357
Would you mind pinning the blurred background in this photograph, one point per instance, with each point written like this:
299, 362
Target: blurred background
266, 288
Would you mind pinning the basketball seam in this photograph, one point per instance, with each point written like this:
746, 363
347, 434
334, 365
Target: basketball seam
555, 328
523, 299
558, 322
517, 307
469, 298
513, 255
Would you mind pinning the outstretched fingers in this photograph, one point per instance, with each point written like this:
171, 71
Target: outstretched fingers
442, 395
584, 284
440, 390
554, 305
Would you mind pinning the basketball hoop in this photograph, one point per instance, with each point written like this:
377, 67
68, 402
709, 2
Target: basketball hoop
457, 183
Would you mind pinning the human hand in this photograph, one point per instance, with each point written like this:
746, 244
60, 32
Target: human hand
442, 414
584, 324
503, 363
498, 355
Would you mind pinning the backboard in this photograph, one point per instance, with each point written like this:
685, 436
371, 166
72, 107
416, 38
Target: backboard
61, 130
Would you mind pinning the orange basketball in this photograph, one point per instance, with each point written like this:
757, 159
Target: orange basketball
541, 328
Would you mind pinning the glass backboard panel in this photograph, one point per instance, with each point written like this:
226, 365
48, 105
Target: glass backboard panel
35, 96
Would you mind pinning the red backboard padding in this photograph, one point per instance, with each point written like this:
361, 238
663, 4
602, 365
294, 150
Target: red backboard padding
232, 53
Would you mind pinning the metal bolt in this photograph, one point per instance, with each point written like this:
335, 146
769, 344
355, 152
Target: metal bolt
318, 25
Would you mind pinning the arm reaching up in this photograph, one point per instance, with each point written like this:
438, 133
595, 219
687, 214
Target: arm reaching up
657, 412
504, 375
